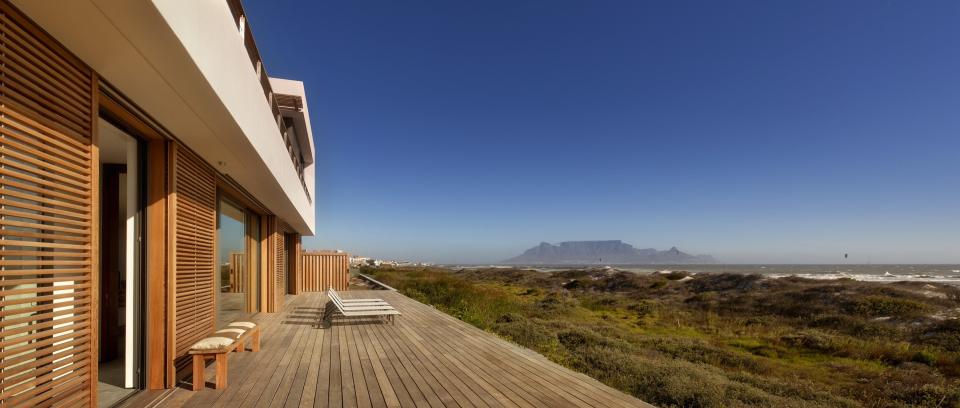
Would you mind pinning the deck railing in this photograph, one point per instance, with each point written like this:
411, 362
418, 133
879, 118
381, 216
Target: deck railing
236, 8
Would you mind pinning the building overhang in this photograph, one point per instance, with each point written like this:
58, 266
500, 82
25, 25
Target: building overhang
185, 64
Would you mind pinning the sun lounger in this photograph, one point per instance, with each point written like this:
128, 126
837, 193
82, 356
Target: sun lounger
384, 311
332, 292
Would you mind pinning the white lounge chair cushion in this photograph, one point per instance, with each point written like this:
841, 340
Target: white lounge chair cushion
235, 332
248, 325
213, 343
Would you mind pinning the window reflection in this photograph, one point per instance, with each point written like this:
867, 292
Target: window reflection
234, 281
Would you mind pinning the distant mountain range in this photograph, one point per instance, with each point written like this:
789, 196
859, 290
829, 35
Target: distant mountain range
603, 252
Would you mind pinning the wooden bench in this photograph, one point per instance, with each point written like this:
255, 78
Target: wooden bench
217, 346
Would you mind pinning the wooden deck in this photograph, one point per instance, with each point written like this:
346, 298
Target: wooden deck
426, 359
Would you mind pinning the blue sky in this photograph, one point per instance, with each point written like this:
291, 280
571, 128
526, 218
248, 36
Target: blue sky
453, 131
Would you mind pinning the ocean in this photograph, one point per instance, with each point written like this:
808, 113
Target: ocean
872, 273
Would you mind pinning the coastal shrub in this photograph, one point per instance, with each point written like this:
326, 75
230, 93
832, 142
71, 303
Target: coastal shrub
554, 304
573, 284
453, 295
599, 301
669, 382
619, 282
932, 395
914, 386
953, 294
526, 332
949, 365
579, 339
945, 334
663, 382
799, 303
810, 339
643, 308
757, 347
704, 301
925, 357
794, 390
854, 325
508, 318
885, 306
676, 275
724, 282
703, 352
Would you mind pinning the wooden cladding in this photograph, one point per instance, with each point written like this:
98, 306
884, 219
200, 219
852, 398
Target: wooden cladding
48, 206
194, 200
321, 270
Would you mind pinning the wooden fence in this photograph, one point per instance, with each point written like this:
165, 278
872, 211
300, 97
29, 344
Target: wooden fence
321, 270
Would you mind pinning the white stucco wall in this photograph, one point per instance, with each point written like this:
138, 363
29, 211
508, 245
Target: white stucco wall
184, 63
208, 32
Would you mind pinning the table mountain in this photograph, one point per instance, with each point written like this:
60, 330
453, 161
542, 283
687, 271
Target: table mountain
614, 252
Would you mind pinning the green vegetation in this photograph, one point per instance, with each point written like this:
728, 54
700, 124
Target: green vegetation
718, 340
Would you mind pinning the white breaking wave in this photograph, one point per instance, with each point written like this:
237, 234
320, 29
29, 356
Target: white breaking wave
886, 277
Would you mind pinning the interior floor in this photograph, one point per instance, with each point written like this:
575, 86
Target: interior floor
110, 383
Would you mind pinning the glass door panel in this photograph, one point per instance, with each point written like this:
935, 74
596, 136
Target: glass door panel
232, 261
253, 248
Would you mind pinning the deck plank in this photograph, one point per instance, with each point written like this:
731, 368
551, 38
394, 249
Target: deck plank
322, 388
368, 376
390, 383
308, 393
427, 358
299, 377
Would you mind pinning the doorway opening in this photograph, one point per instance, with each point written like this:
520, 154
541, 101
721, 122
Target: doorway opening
120, 307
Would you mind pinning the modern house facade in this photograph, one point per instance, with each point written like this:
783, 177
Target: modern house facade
154, 186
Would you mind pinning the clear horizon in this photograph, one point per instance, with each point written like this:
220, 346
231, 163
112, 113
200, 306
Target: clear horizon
755, 132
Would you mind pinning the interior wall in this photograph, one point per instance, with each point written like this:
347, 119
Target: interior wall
119, 151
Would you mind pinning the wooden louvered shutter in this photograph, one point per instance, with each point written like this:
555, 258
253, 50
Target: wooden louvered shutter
278, 266
295, 280
281, 268
274, 265
47, 215
195, 214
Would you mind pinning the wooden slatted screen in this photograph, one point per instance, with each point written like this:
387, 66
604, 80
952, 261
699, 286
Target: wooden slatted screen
320, 270
277, 292
281, 275
293, 281
274, 263
194, 221
47, 219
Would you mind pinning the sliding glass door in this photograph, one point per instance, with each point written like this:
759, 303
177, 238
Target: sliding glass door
238, 260
253, 251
